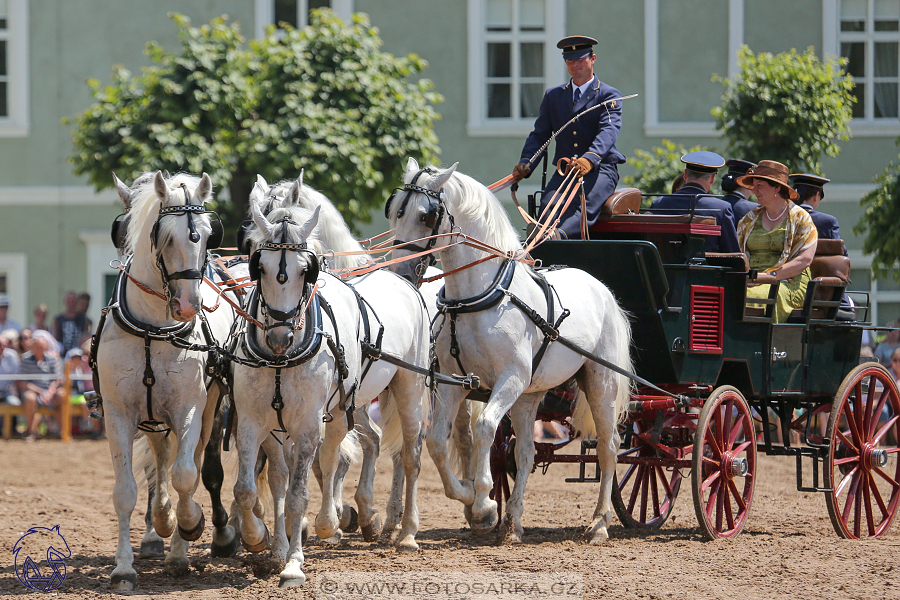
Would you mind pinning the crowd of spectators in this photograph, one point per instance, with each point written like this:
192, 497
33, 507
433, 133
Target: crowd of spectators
38, 353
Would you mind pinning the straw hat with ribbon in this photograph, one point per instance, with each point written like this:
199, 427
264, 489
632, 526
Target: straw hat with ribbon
773, 172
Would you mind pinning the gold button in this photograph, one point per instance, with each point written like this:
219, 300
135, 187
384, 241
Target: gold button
576, 145
574, 133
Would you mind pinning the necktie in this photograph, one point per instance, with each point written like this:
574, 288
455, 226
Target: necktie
577, 96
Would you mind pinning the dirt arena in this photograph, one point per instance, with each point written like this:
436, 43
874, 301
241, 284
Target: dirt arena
787, 550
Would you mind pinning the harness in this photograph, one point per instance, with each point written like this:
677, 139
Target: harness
432, 218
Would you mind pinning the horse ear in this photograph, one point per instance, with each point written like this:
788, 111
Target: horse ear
441, 178
203, 190
124, 192
261, 182
293, 197
257, 194
166, 174
307, 227
160, 187
300, 179
411, 165
258, 217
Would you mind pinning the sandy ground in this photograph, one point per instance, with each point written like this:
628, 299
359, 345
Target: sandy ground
787, 550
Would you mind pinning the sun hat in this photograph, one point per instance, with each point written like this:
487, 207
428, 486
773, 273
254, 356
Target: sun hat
771, 171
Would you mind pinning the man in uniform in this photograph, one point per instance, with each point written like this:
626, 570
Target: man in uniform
590, 140
811, 191
735, 195
699, 174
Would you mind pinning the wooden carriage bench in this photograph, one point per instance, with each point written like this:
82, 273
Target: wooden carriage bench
8, 412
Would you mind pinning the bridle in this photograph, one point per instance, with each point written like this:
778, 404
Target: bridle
214, 241
292, 318
433, 218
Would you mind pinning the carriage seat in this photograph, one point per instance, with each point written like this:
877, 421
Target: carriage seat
624, 206
624, 201
736, 261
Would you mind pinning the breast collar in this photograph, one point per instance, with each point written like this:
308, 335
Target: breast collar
134, 326
486, 299
309, 344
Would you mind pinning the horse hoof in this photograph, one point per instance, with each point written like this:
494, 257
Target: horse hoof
599, 537
154, 549
371, 531
485, 524
289, 582
333, 540
123, 583
224, 550
467, 512
177, 567
349, 519
258, 547
509, 534
408, 545
193, 534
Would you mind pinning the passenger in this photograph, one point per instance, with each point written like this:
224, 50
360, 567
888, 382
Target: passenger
811, 192
778, 237
699, 175
735, 195
679, 181
891, 342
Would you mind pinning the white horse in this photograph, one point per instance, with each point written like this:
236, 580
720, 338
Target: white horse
395, 305
499, 342
148, 382
316, 337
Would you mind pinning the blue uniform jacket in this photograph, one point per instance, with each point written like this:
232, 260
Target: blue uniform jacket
739, 204
592, 136
706, 206
827, 225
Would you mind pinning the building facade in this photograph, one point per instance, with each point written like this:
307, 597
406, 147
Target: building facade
491, 59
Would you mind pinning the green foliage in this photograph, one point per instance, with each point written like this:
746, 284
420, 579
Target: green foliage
657, 169
879, 223
324, 98
787, 107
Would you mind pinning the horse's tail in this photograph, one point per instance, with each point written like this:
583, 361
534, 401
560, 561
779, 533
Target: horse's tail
392, 428
350, 448
143, 463
263, 493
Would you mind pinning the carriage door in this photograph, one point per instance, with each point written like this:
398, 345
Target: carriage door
786, 358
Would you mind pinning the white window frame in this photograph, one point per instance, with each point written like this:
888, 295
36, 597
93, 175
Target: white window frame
17, 124
478, 124
100, 252
15, 266
653, 127
264, 13
831, 46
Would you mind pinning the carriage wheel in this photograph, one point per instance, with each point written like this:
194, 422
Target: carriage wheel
503, 464
724, 464
644, 494
863, 469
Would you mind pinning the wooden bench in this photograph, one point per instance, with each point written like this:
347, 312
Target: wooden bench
8, 412
64, 414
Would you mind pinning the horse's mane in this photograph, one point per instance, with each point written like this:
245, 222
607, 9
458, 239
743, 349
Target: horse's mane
331, 231
477, 211
144, 212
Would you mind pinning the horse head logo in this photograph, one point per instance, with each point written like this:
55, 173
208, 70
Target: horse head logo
31, 549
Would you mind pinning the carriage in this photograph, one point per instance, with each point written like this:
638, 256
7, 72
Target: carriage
720, 382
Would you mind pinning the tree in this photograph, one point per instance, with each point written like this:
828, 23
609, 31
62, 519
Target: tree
881, 214
787, 107
324, 98
657, 169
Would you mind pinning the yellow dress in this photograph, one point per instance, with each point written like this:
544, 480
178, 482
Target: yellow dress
764, 249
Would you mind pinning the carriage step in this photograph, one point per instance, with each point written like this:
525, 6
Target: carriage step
582, 466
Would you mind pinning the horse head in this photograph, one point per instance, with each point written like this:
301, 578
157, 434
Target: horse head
181, 237
417, 211
284, 267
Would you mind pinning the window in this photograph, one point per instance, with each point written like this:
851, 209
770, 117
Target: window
512, 59
870, 41
13, 68
296, 12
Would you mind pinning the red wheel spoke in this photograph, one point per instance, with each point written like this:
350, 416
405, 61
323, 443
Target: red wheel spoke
875, 492
851, 422
721, 500
867, 410
846, 441
712, 443
743, 447
715, 432
654, 490
846, 460
636, 489
870, 521
711, 462
858, 409
630, 451
647, 477
729, 515
877, 411
665, 482
887, 426
623, 481
846, 480
894, 484
857, 510
710, 480
738, 498
725, 432
736, 428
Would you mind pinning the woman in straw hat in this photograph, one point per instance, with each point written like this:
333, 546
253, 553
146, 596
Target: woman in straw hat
778, 236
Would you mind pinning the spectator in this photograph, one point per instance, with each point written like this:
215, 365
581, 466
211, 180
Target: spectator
70, 326
895, 365
885, 349
6, 322
25, 340
79, 365
84, 303
9, 365
40, 392
40, 318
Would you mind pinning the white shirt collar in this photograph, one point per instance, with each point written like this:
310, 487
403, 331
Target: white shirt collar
583, 88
